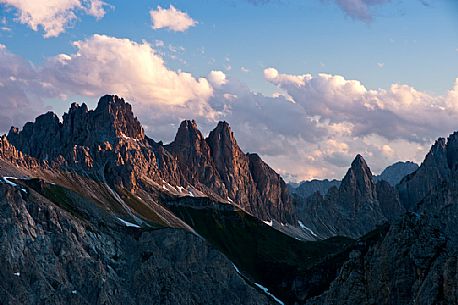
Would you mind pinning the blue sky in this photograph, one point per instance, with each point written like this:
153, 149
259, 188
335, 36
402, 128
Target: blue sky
401, 42
416, 43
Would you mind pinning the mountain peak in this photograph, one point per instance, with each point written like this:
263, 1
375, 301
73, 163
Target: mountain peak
107, 102
187, 131
223, 128
223, 144
189, 140
113, 112
358, 181
359, 162
222, 134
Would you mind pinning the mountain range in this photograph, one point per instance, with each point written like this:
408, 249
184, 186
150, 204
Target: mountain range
93, 211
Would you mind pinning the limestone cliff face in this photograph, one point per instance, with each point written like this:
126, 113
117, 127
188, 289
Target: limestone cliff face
272, 189
231, 164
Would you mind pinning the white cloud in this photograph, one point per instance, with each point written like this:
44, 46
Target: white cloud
401, 112
104, 64
217, 78
244, 69
171, 18
54, 16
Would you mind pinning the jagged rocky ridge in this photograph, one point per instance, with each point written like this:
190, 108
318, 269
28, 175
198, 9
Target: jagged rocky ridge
109, 144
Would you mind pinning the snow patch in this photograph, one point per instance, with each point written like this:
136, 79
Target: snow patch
269, 223
128, 138
128, 224
306, 228
266, 291
236, 269
7, 180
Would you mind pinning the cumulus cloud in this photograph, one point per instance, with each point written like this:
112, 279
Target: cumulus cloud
171, 18
53, 16
217, 78
134, 70
400, 112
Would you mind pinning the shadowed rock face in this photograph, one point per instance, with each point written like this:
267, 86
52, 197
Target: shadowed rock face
416, 262
353, 209
433, 171
109, 143
412, 264
433, 188
82, 255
